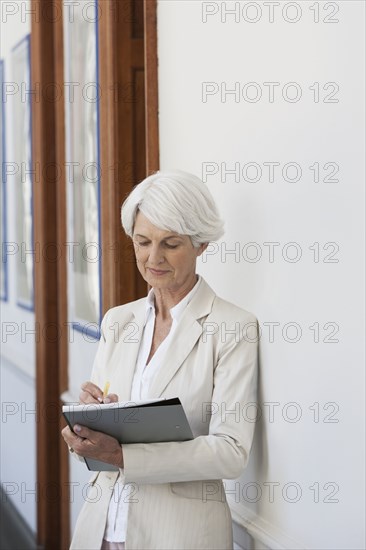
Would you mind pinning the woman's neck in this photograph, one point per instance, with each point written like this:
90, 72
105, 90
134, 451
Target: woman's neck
166, 298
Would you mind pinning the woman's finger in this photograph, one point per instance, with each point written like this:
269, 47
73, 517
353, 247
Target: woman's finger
90, 393
111, 398
69, 437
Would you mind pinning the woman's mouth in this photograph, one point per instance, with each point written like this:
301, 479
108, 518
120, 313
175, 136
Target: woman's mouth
157, 271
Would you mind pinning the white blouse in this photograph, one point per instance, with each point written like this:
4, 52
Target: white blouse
115, 530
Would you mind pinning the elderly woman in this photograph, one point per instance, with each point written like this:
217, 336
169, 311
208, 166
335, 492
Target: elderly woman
182, 340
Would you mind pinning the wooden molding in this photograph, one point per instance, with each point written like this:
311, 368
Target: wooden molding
46, 286
122, 139
151, 86
63, 381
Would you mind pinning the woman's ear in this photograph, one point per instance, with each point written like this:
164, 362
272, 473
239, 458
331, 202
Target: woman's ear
202, 248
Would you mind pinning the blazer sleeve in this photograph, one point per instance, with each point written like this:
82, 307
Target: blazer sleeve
97, 374
224, 452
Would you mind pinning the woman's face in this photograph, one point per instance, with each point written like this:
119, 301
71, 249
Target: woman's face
165, 259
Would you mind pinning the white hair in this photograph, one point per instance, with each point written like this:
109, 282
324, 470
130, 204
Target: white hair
175, 201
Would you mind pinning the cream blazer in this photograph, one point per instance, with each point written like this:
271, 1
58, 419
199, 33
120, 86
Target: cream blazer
178, 499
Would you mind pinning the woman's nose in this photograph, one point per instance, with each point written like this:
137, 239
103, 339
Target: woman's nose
156, 255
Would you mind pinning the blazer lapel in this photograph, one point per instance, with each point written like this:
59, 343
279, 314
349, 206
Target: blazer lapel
188, 332
130, 339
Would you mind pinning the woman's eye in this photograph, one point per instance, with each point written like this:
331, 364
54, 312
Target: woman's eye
146, 243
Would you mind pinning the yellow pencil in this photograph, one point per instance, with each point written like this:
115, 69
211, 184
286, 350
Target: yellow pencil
106, 389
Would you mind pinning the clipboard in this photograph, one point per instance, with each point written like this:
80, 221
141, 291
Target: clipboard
149, 421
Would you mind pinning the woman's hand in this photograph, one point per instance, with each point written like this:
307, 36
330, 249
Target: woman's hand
91, 444
91, 393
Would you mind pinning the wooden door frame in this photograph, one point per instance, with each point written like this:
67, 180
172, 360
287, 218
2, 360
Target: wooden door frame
50, 282
151, 86
121, 280
48, 137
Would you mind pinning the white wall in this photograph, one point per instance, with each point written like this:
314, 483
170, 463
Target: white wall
17, 440
321, 458
17, 371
